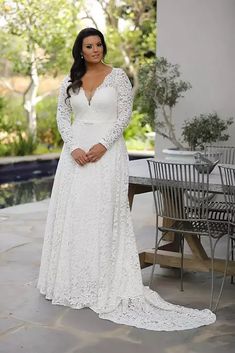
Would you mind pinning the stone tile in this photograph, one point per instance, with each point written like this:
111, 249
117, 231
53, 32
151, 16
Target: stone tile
23, 227
118, 345
87, 320
8, 323
3, 218
27, 304
51, 328
38, 340
18, 159
11, 240
13, 296
26, 208
13, 273
24, 255
191, 341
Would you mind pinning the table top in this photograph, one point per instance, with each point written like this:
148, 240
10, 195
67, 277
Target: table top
139, 174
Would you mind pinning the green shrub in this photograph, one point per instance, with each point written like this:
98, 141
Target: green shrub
205, 129
14, 139
136, 133
12, 114
47, 130
137, 128
5, 150
24, 144
43, 149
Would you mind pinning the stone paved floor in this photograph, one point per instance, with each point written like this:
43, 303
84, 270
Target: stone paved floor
30, 324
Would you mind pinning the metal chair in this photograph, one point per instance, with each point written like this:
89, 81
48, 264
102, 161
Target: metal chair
181, 195
227, 175
225, 154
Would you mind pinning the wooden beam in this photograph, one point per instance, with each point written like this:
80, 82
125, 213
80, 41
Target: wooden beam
196, 246
172, 259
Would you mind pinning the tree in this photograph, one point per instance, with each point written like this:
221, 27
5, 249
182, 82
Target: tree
205, 129
130, 32
160, 90
44, 33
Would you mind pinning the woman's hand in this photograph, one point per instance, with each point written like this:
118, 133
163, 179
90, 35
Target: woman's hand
96, 152
80, 156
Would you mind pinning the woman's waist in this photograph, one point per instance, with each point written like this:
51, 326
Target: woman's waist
89, 129
79, 121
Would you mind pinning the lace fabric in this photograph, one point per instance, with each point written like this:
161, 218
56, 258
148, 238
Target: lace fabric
116, 78
125, 101
89, 256
63, 116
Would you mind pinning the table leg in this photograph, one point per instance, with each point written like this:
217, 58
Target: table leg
135, 189
131, 194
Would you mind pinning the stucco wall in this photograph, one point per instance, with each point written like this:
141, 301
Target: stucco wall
199, 35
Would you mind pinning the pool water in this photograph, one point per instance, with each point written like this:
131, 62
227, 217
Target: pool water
31, 181
25, 191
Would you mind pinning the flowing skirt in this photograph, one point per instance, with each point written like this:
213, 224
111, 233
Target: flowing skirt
89, 256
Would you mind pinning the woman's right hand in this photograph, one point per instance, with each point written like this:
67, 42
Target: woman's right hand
80, 156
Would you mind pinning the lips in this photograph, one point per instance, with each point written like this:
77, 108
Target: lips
95, 56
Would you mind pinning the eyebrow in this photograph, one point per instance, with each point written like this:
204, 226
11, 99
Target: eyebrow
92, 43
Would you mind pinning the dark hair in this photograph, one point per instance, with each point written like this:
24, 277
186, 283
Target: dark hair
78, 68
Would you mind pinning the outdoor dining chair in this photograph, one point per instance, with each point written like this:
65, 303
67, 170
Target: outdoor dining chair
181, 196
225, 154
227, 174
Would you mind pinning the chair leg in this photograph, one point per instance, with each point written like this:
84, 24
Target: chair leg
182, 262
232, 256
224, 276
212, 271
155, 254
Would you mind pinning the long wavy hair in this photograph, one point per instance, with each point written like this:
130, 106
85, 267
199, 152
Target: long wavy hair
78, 68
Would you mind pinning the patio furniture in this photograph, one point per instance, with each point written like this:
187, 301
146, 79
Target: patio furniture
181, 195
227, 174
225, 154
168, 254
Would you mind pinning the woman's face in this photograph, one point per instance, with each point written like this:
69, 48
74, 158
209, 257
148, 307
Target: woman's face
92, 49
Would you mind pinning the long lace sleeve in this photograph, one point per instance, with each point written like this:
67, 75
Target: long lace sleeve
63, 116
125, 100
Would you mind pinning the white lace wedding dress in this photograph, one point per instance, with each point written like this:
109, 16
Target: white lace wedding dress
89, 256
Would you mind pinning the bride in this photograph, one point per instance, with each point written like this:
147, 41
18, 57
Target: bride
89, 256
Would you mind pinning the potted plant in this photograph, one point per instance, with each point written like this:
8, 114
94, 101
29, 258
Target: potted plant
160, 89
205, 129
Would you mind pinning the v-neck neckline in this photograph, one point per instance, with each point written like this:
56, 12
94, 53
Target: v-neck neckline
89, 98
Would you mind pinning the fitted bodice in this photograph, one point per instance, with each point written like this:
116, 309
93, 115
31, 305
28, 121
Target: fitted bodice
110, 106
102, 107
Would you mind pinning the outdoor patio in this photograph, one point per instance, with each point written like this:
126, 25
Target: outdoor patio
30, 324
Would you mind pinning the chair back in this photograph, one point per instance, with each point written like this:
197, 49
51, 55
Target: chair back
227, 175
225, 154
180, 191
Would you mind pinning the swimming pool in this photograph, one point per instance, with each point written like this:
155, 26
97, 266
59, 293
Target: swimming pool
32, 180
32, 190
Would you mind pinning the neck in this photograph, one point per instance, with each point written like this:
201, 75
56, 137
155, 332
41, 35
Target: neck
94, 67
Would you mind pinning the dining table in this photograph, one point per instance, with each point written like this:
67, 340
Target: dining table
168, 254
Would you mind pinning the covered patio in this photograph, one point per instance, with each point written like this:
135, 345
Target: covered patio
30, 324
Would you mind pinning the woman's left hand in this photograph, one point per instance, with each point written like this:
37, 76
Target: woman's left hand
96, 152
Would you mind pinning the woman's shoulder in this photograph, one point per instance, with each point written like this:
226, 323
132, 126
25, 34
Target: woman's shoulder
121, 77
66, 79
65, 82
120, 73
119, 70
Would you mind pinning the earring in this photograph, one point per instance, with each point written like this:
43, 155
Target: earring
81, 56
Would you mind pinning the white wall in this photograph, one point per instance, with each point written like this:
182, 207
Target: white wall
199, 35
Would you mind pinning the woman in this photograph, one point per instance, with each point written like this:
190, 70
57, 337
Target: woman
89, 256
